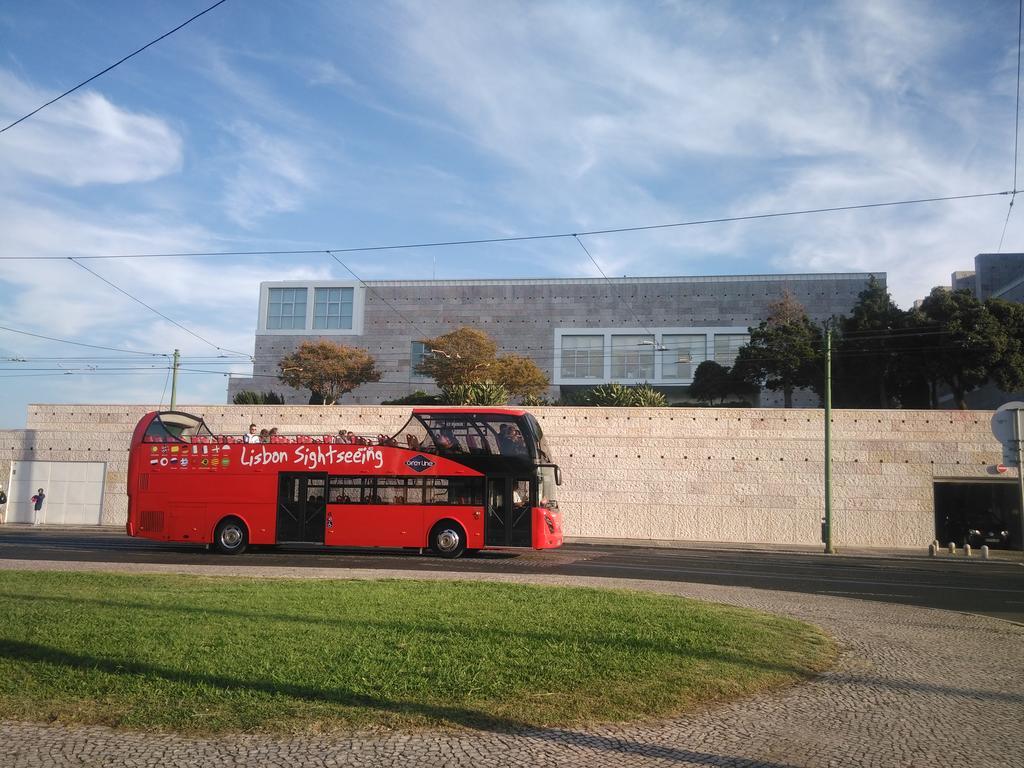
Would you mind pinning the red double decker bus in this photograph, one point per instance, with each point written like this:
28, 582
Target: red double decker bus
451, 480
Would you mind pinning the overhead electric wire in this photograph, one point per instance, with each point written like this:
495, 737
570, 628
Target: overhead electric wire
82, 344
156, 311
167, 378
628, 302
1016, 125
370, 289
522, 238
112, 66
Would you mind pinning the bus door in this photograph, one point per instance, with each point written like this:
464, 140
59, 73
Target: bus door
301, 506
509, 521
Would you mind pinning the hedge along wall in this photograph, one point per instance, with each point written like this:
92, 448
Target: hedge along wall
672, 474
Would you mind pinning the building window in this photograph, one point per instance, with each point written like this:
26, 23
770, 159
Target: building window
633, 357
286, 308
332, 308
416, 357
727, 345
583, 357
681, 354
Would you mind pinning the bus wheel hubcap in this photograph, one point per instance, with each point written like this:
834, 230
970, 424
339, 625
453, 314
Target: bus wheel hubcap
231, 536
447, 540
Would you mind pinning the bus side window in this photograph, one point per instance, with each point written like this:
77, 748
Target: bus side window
345, 490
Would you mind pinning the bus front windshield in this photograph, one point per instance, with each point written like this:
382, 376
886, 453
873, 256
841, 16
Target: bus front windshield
175, 427
547, 488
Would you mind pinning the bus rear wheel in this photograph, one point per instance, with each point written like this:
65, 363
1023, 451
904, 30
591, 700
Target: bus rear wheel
231, 536
448, 539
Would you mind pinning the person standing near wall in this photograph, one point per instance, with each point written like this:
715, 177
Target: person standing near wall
37, 506
3, 507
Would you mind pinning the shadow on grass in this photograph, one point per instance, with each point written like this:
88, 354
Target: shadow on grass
634, 644
469, 718
34, 652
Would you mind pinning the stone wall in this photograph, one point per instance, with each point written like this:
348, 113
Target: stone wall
675, 474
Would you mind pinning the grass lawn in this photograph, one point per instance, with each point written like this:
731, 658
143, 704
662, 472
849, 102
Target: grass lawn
216, 654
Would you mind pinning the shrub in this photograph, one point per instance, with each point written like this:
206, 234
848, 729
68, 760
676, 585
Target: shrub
248, 397
419, 397
619, 395
646, 396
476, 393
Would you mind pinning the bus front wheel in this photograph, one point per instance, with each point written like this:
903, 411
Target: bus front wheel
231, 536
448, 539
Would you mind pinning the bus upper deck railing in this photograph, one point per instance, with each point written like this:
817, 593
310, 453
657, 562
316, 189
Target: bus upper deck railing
276, 439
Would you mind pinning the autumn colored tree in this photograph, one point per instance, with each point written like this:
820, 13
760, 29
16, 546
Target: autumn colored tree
327, 369
460, 357
520, 376
468, 356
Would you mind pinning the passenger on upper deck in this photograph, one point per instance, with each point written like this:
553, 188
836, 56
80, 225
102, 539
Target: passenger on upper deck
412, 441
253, 436
447, 442
264, 436
510, 441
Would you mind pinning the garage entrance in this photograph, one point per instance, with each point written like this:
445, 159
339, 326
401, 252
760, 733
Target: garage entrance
978, 513
74, 492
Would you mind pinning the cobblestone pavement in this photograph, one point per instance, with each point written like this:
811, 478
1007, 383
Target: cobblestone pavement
912, 687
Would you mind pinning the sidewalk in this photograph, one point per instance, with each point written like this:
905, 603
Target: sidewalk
903, 553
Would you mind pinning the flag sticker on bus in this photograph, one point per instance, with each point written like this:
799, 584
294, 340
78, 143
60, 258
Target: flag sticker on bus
419, 463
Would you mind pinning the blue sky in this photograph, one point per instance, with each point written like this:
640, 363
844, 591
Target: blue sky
286, 125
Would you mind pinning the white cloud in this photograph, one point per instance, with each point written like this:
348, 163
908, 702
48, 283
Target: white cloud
273, 176
83, 139
605, 116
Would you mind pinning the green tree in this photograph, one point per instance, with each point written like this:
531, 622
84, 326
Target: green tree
1008, 372
327, 369
865, 363
711, 382
963, 341
784, 352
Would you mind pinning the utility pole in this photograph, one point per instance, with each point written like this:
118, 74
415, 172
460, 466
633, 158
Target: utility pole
174, 378
829, 549
1018, 430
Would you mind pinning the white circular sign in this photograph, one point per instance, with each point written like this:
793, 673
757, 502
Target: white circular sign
1002, 421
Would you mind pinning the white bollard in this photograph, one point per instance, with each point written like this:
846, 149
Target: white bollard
952, 548
984, 551
967, 550
932, 549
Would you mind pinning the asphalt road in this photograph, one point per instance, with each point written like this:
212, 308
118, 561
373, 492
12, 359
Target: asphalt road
992, 588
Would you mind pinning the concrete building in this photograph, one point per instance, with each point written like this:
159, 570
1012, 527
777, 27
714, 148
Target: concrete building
581, 332
995, 276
